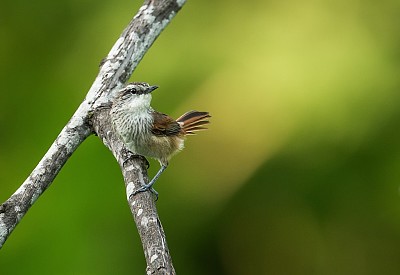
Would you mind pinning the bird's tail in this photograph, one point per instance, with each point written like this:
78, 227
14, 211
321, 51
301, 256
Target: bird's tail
193, 121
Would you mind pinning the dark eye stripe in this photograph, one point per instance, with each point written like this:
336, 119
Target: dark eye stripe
129, 91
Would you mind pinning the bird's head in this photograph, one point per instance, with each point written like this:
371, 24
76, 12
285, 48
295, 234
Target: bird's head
136, 94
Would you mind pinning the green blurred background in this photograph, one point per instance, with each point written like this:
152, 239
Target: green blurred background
298, 174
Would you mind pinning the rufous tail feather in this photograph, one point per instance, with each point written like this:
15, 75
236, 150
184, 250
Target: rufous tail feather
193, 121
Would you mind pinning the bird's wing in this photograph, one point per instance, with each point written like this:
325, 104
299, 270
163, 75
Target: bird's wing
163, 125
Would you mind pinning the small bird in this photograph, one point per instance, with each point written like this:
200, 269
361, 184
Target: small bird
149, 133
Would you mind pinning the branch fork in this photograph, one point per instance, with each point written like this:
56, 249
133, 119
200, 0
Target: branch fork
92, 118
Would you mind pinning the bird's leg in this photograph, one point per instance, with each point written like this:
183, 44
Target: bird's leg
149, 186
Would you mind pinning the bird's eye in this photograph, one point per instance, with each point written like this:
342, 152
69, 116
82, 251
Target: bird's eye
129, 92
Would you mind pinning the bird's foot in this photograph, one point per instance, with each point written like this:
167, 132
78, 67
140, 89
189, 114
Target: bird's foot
147, 187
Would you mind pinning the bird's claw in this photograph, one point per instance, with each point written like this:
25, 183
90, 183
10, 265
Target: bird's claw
145, 188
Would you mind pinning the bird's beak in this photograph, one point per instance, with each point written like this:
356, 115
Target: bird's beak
150, 89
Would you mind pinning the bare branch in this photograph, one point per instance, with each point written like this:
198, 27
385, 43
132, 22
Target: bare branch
13, 209
142, 205
91, 116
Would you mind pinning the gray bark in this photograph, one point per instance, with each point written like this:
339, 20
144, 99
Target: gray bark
142, 205
92, 117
